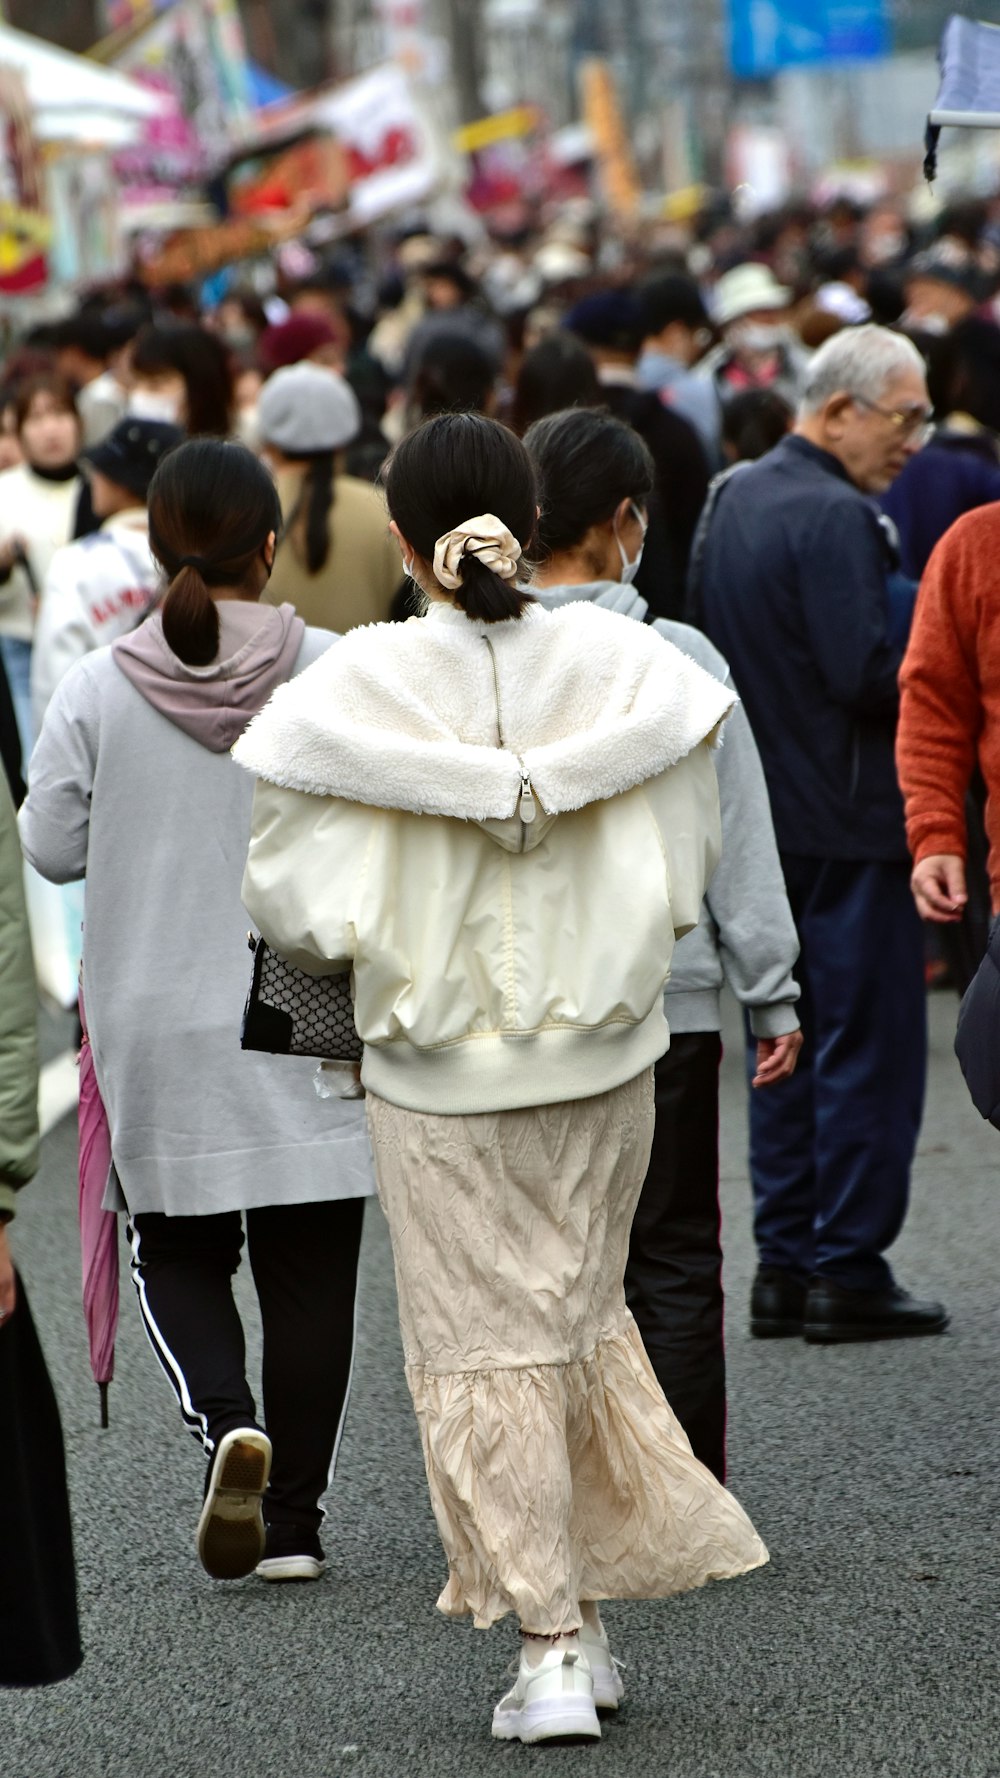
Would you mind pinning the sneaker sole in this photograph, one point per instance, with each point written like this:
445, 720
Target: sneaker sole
230, 1537
552, 1719
290, 1568
606, 1698
832, 1333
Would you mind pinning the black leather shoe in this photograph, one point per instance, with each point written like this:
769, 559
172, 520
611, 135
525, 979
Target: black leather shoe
777, 1305
834, 1314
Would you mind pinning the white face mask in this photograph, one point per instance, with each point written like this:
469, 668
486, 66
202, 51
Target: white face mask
757, 336
631, 569
146, 404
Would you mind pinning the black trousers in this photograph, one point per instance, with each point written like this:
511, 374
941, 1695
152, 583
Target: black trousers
304, 1259
673, 1280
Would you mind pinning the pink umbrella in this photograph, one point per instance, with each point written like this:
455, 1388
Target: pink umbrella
98, 1227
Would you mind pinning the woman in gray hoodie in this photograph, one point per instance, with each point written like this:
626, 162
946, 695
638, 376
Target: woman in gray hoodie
596, 476
132, 786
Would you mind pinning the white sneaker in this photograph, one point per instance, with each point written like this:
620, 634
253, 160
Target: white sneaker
552, 1701
230, 1535
290, 1568
609, 1688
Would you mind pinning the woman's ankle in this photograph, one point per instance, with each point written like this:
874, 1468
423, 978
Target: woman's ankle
535, 1647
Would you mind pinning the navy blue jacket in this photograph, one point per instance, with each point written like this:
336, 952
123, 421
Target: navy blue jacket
793, 583
952, 475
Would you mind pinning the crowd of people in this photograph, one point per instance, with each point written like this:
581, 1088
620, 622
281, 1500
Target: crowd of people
520, 627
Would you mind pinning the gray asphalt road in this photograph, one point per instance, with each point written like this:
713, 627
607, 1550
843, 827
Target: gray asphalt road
867, 1649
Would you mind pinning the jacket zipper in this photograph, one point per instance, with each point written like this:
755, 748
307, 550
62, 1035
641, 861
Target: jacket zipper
527, 807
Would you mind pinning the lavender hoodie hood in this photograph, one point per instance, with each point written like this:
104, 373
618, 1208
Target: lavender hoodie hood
258, 648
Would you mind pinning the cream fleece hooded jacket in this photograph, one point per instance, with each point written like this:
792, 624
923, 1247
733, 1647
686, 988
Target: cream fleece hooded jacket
502, 829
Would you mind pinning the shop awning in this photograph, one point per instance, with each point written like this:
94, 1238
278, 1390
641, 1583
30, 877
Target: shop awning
73, 99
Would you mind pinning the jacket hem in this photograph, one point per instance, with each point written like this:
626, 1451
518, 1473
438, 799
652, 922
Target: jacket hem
508, 1070
693, 1009
848, 849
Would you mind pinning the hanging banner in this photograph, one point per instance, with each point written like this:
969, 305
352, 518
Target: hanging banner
768, 35
25, 226
603, 116
193, 54
969, 94
118, 15
309, 176
388, 146
390, 153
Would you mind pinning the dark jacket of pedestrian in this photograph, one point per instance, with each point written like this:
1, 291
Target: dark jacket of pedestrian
681, 486
794, 593
956, 472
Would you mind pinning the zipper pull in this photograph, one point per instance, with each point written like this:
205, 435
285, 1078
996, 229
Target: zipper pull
527, 802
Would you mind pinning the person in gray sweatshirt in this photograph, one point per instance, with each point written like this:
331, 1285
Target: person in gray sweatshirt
132, 785
596, 475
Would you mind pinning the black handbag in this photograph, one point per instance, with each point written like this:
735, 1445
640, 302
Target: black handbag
977, 1040
291, 1013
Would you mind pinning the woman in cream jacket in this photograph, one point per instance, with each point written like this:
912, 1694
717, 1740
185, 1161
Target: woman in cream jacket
501, 818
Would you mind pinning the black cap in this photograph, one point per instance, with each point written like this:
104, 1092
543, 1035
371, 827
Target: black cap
607, 318
133, 451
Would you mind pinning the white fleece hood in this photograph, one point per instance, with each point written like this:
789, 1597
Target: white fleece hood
407, 716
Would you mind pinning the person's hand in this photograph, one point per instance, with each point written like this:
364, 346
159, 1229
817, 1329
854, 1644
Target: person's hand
8, 1288
938, 885
776, 1058
11, 547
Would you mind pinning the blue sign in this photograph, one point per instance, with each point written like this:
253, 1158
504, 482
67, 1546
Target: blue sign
768, 35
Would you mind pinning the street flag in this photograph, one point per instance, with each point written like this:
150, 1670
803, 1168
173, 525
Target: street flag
969, 94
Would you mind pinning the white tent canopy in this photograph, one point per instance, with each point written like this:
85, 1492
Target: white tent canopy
73, 100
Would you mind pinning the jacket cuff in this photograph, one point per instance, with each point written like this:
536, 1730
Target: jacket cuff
8, 1202
774, 1021
952, 842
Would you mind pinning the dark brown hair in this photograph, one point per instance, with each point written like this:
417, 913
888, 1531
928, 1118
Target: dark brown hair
212, 507
450, 470
202, 360
45, 383
308, 525
558, 373
587, 463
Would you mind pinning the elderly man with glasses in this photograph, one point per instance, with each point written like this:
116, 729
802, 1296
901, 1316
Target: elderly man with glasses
794, 589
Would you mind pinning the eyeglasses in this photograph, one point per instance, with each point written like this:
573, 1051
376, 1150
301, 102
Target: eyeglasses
910, 422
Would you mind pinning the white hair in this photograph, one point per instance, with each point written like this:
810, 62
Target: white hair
858, 361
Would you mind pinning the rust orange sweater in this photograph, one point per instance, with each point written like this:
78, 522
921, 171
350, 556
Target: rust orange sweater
950, 681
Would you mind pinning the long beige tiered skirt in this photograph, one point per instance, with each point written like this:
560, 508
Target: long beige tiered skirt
557, 1471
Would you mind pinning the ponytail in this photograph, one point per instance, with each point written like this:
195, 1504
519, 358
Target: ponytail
190, 618
212, 508
450, 468
317, 498
483, 595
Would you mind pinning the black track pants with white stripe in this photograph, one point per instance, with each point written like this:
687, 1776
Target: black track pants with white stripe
304, 1259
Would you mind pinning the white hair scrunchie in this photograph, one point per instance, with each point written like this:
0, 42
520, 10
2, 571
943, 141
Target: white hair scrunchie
486, 538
